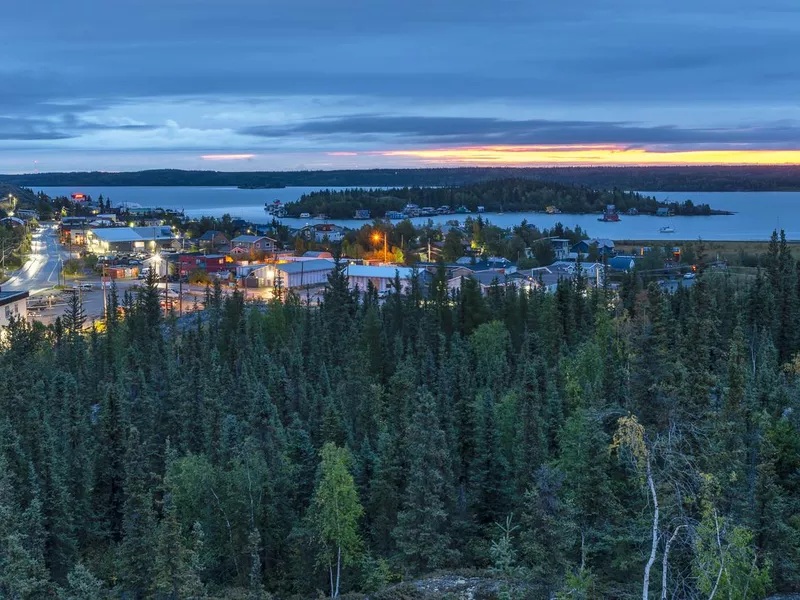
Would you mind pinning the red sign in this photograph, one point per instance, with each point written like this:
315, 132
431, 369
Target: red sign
78, 197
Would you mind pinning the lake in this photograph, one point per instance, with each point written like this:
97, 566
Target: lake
757, 213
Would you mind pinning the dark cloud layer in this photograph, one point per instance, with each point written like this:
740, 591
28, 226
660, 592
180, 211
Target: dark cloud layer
520, 71
464, 130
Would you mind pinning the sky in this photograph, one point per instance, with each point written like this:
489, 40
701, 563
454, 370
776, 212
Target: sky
324, 84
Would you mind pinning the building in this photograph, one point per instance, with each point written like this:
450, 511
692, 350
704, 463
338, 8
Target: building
213, 240
294, 275
130, 239
486, 279
604, 246
317, 254
592, 272
210, 263
560, 248
382, 278
362, 213
662, 211
323, 231
247, 244
13, 305
621, 263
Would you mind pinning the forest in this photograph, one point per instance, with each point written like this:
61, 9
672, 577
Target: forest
580, 444
511, 195
722, 178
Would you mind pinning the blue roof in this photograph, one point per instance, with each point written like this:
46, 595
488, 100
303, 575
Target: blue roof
302, 266
381, 272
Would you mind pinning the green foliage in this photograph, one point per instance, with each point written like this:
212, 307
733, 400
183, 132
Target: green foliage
443, 413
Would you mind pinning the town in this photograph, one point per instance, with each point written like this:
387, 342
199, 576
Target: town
93, 246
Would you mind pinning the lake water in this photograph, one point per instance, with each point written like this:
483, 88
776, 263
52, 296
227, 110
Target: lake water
757, 213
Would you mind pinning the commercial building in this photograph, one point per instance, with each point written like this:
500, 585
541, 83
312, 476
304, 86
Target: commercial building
299, 274
210, 263
382, 278
13, 305
130, 239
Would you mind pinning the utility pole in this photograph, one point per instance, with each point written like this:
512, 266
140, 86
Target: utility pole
385, 248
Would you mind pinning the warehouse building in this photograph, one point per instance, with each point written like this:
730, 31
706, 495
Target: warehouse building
300, 274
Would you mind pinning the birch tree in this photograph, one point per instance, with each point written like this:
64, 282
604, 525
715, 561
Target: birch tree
336, 511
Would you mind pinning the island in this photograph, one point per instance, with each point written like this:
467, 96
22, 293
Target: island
504, 195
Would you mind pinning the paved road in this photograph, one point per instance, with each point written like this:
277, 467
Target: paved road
40, 271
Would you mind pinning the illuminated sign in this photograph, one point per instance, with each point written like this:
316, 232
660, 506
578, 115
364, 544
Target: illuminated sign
80, 197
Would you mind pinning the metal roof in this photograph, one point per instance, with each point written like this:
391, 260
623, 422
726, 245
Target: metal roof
380, 272
116, 234
9, 297
247, 239
306, 266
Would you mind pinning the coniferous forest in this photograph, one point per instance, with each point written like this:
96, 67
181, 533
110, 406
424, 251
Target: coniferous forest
610, 443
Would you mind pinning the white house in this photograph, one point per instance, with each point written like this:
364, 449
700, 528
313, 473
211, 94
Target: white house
13, 305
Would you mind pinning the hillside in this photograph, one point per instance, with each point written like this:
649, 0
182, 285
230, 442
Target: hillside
686, 178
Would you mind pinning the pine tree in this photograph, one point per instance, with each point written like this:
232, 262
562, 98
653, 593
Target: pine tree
136, 557
422, 531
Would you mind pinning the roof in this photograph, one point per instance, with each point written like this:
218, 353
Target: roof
9, 297
488, 277
211, 234
381, 272
117, 234
621, 263
247, 239
603, 243
306, 265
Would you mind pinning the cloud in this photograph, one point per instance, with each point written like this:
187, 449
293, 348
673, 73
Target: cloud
242, 76
482, 130
227, 156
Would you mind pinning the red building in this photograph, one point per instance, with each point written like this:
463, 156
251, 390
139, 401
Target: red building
211, 263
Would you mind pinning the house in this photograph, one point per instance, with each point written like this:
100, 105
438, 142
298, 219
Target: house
13, 305
592, 272
213, 239
246, 244
544, 278
210, 263
662, 211
382, 278
323, 231
485, 279
604, 246
560, 247
621, 263
300, 274
317, 254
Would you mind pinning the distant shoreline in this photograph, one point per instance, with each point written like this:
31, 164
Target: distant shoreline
770, 178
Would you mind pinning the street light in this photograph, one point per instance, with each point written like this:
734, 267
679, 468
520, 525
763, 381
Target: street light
376, 237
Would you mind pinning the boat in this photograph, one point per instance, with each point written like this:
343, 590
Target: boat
610, 215
305, 215
609, 218
667, 229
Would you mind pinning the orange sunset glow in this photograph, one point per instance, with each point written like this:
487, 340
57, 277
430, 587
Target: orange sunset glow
600, 154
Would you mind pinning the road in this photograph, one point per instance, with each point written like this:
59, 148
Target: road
40, 271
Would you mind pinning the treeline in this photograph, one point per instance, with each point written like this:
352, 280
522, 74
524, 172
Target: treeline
289, 449
512, 195
679, 178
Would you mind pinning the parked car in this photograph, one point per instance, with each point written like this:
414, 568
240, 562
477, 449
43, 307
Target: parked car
689, 276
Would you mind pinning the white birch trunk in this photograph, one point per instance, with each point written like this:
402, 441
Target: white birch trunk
654, 544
